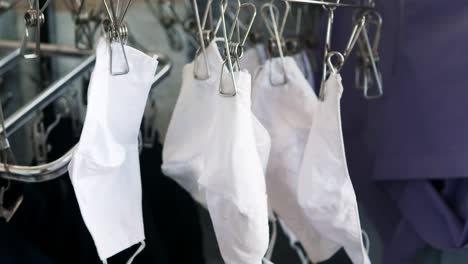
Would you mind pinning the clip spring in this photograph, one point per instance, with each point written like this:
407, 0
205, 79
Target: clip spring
113, 33
117, 34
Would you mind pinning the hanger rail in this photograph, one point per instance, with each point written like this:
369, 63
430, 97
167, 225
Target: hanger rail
331, 4
49, 49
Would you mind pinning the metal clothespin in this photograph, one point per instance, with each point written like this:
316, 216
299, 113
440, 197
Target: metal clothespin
233, 50
117, 35
34, 19
368, 76
335, 67
205, 36
271, 14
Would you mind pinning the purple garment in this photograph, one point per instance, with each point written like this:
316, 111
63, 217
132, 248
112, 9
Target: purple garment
408, 152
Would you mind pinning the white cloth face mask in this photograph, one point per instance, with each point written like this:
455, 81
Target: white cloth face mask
286, 110
105, 168
188, 132
234, 178
325, 189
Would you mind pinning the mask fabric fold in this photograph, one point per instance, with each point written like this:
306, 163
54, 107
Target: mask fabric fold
234, 180
286, 110
325, 190
105, 168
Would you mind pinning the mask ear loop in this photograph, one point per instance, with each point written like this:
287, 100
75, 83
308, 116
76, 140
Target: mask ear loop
139, 250
366, 240
132, 258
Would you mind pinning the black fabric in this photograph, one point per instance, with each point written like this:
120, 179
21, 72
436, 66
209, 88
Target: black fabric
16, 250
174, 211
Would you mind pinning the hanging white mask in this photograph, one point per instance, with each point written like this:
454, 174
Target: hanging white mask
105, 170
325, 189
286, 110
192, 122
188, 132
234, 178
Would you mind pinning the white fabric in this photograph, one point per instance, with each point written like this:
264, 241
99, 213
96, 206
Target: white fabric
291, 112
188, 132
234, 178
286, 111
324, 188
192, 121
217, 150
105, 170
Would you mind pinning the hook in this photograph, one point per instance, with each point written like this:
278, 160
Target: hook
33, 18
335, 68
117, 34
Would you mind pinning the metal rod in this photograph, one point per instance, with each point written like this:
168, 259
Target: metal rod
40, 173
48, 49
27, 112
58, 167
330, 4
9, 61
